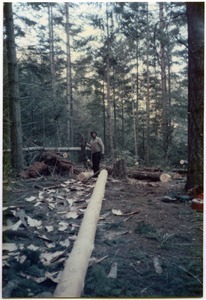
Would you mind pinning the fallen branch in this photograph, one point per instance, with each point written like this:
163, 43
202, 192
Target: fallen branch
71, 282
97, 261
119, 213
131, 213
125, 220
60, 149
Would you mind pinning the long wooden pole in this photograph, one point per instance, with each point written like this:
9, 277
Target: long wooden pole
71, 283
49, 149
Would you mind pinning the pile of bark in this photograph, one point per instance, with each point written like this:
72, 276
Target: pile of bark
48, 163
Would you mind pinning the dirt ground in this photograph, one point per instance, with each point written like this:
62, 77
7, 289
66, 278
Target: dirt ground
153, 246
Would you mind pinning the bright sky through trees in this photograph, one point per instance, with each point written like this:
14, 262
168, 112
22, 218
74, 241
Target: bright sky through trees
31, 32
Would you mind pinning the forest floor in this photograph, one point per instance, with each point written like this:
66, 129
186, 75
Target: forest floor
155, 246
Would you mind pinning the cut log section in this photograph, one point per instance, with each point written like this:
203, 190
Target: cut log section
165, 177
183, 162
71, 283
85, 175
140, 175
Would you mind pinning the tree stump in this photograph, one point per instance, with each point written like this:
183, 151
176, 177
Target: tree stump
119, 169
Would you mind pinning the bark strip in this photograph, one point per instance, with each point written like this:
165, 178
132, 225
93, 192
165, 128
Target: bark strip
71, 282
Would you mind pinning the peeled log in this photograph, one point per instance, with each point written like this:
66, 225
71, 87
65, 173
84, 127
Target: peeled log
71, 283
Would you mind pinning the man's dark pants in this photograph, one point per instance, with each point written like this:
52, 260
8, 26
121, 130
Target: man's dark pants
96, 161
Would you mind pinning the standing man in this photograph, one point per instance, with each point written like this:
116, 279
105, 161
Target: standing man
97, 151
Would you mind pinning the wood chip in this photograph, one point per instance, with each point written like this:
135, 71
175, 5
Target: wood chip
32, 247
49, 228
30, 199
34, 223
9, 247
113, 271
13, 227
72, 215
55, 276
62, 226
65, 243
47, 258
117, 212
157, 265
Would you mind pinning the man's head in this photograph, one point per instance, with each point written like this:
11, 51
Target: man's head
93, 134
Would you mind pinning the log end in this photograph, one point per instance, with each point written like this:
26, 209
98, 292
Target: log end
165, 177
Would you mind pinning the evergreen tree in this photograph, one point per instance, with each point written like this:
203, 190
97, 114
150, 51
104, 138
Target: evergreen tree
17, 160
195, 19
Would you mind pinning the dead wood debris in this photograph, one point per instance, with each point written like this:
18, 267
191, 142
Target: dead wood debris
49, 163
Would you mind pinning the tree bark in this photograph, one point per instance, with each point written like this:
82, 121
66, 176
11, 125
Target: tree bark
53, 68
71, 283
110, 124
148, 96
195, 19
17, 159
136, 130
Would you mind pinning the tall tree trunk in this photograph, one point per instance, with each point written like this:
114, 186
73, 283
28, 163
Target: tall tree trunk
110, 123
104, 115
163, 81
52, 67
169, 101
136, 106
195, 19
123, 139
115, 115
6, 115
69, 82
135, 130
148, 97
17, 160
169, 96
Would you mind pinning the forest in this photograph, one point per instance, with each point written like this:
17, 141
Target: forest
117, 68
134, 73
